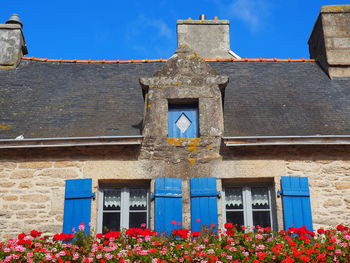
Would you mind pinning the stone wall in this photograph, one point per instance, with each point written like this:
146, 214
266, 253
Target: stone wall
32, 181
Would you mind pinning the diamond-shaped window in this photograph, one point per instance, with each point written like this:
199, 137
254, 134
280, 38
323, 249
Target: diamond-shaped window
183, 123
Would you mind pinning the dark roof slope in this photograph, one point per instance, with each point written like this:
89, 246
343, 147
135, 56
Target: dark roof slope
283, 99
45, 99
52, 99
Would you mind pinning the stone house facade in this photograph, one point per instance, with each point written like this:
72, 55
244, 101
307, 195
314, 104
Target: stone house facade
203, 135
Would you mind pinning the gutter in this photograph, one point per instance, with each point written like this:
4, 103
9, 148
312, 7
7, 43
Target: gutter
70, 141
287, 140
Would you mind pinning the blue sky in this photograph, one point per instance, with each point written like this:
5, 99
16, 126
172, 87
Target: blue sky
133, 29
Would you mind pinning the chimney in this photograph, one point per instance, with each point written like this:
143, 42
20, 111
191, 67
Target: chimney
329, 42
12, 43
208, 38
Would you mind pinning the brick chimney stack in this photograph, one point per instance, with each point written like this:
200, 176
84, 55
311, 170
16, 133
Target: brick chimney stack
12, 43
208, 38
329, 42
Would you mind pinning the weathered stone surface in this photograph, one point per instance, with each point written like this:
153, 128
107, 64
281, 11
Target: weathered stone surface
332, 203
7, 165
22, 174
10, 198
7, 184
59, 173
63, 164
329, 42
37, 198
26, 185
35, 165
210, 38
342, 185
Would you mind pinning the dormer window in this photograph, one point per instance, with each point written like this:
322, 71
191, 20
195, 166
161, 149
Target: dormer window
183, 121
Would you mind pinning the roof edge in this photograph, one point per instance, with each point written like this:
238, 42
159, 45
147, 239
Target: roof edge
165, 60
287, 140
70, 141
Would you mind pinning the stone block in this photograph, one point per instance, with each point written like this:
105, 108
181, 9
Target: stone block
22, 174
26, 185
7, 184
8, 166
59, 173
63, 164
35, 165
17, 206
37, 198
329, 203
10, 198
342, 185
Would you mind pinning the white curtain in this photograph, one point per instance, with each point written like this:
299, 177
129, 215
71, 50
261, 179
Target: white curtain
233, 196
260, 196
138, 198
112, 198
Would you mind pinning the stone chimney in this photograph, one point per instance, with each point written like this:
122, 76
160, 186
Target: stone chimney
208, 38
12, 43
329, 42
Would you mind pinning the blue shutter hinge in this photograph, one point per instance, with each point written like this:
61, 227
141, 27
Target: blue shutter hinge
153, 195
279, 193
93, 195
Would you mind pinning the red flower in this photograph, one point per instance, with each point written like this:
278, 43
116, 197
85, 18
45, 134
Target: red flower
196, 233
320, 231
197, 220
99, 235
173, 222
114, 234
340, 228
228, 225
35, 233
21, 236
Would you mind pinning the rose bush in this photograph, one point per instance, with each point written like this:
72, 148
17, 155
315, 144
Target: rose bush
143, 245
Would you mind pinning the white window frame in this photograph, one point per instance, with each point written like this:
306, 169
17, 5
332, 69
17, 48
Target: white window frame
247, 204
124, 206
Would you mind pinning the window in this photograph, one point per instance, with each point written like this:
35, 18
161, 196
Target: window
123, 208
183, 121
249, 206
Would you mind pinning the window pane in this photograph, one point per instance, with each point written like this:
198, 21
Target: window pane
261, 218
138, 199
136, 219
260, 198
233, 198
235, 218
111, 200
111, 222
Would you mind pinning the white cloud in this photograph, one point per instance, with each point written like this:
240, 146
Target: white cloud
253, 12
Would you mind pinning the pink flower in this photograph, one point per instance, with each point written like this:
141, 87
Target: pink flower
82, 227
173, 222
197, 220
143, 225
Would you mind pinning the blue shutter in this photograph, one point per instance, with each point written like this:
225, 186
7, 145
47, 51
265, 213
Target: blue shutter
174, 114
296, 202
168, 204
77, 204
203, 202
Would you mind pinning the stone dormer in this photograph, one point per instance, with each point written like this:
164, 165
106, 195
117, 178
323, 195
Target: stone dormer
189, 87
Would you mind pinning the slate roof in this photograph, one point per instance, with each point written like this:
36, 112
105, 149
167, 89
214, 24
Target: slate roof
53, 99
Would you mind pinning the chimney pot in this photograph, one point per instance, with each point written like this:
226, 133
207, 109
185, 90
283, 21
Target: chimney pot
216, 18
14, 19
202, 17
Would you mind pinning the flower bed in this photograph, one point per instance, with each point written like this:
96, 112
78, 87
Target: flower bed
144, 245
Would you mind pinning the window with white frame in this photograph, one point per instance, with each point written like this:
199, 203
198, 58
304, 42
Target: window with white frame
123, 208
248, 206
